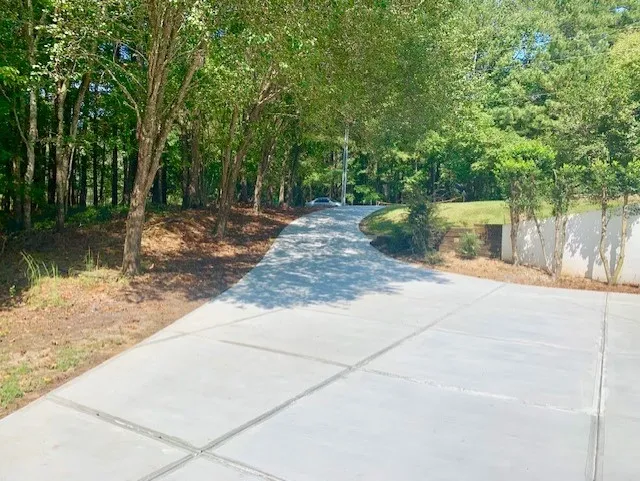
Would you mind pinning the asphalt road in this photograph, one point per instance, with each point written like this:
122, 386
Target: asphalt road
332, 362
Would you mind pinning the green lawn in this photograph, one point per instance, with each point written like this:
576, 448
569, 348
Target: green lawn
461, 214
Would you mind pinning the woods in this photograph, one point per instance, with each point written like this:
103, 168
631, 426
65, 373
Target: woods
123, 103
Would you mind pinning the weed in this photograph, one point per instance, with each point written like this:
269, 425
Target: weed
91, 264
10, 390
43, 282
433, 258
469, 246
67, 358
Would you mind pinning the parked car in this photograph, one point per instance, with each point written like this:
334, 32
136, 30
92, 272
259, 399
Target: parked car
323, 202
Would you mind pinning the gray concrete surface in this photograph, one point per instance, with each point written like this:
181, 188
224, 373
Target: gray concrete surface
330, 361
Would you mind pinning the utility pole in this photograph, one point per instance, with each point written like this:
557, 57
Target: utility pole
345, 157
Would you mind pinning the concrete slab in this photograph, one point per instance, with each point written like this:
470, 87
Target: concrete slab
194, 389
392, 309
499, 318
215, 313
554, 298
623, 335
203, 469
330, 337
377, 428
621, 448
531, 373
622, 384
46, 441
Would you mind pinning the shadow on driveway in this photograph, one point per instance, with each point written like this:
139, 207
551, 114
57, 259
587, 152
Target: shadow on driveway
323, 258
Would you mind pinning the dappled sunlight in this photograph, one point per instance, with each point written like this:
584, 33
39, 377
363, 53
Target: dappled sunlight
323, 258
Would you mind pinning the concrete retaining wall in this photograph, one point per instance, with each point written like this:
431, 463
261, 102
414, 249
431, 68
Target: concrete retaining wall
581, 256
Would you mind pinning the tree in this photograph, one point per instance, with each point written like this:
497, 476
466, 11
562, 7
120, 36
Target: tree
520, 172
564, 190
167, 60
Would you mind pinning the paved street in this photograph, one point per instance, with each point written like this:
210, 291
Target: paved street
332, 362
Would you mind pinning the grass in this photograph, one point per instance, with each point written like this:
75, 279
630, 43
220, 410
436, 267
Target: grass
10, 388
458, 214
68, 357
43, 282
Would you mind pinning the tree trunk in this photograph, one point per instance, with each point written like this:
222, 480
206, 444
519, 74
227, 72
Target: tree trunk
295, 157
156, 190
185, 154
17, 189
623, 239
133, 236
51, 175
543, 245
155, 120
94, 156
267, 152
103, 168
163, 185
83, 180
32, 136
515, 224
145, 172
195, 170
604, 207
65, 149
32, 131
114, 176
225, 180
61, 165
283, 180
558, 250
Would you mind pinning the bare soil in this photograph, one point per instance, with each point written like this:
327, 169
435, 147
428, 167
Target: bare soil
500, 270
68, 323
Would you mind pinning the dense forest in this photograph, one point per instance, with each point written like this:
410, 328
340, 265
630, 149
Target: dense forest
122, 104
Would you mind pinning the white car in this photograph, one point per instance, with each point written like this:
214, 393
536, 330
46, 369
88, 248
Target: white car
323, 202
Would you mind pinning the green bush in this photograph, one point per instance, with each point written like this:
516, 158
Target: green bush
469, 246
427, 227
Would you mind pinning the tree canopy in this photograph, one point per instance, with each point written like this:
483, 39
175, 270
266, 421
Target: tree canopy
206, 104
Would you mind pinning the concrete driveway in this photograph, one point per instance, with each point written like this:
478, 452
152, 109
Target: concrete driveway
332, 362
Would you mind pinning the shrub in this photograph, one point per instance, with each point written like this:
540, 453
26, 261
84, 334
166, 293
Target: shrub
469, 246
427, 227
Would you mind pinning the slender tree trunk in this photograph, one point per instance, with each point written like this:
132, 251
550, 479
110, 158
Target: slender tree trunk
267, 152
156, 189
195, 170
51, 175
62, 168
163, 185
65, 149
295, 157
103, 168
624, 228
95, 185
83, 180
225, 180
32, 131
17, 188
603, 234
515, 224
32, 136
114, 175
283, 181
543, 245
559, 239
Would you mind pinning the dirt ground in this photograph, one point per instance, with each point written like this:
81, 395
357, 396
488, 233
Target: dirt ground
67, 322
500, 270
